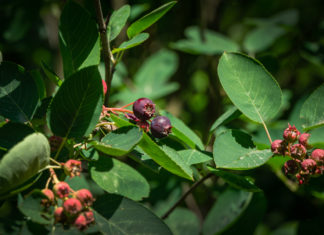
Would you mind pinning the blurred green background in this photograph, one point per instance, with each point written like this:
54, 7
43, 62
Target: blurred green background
177, 67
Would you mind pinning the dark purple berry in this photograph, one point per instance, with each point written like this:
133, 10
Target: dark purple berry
291, 167
144, 108
161, 127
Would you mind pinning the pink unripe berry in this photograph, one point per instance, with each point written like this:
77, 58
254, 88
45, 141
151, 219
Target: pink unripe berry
59, 215
318, 156
104, 85
298, 151
89, 216
291, 167
303, 139
61, 189
144, 108
72, 206
291, 134
81, 222
85, 197
72, 168
161, 127
308, 166
49, 194
278, 147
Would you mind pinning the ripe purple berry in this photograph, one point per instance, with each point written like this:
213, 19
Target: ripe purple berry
144, 108
161, 127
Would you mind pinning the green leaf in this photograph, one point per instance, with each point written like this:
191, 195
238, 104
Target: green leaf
141, 157
117, 215
231, 114
23, 161
38, 79
250, 86
117, 21
213, 43
236, 181
12, 133
135, 41
18, 93
117, 177
234, 149
312, 111
193, 156
120, 141
51, 74
149, 19
166, 157
76, 107
183, 221
78, 39
32, 208
228, 208
262, 38
183, 133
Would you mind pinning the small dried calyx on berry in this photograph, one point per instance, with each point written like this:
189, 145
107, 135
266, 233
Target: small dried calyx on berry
144, 108
61, 189
161, 127
308, 166
298, 151
72, 168
291, 167
291, 134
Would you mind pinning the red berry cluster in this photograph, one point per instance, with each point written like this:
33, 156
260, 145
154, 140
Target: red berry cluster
303, 164
75, 209
144, 110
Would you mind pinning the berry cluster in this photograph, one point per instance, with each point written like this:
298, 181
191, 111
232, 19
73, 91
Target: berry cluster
144, 110
304, 164
75, 209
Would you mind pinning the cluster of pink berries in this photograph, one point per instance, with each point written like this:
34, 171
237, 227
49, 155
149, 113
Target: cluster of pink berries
303, 164
144, 110
75, 209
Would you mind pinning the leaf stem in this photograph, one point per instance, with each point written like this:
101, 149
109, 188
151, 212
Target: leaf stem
195, 185
105, 47
56, 162
267, 132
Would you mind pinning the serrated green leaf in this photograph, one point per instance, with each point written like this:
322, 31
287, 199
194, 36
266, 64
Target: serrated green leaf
32, 208
23, 161
78, 39
312, 111
76, 107
183, 133
213, 43
227, 209
250, 86
231, 114
117, 177
117, 21
135, 41
149, 19
236, 181
117, 215
141, 157
120, 141
18, 93
168, 160
234, 149
193, 156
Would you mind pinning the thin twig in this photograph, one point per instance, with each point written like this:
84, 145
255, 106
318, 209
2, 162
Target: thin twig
267, 132
56, 162
195, 185
105, 47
